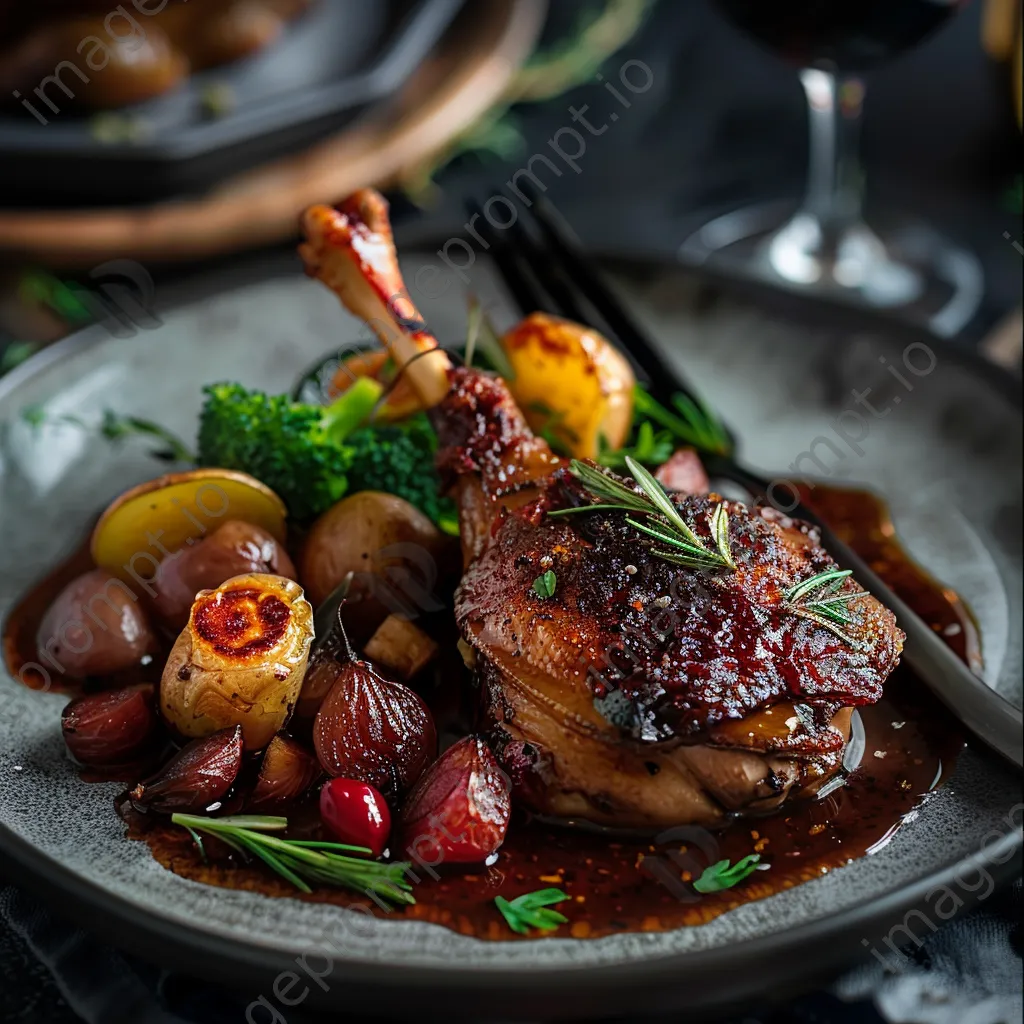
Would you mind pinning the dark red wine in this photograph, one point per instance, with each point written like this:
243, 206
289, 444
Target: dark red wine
852, 35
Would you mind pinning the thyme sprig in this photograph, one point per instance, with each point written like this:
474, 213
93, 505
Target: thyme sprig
820, 599
662, 520
301, 861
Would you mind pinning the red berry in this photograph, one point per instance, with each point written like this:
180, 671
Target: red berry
458, 812
355, 813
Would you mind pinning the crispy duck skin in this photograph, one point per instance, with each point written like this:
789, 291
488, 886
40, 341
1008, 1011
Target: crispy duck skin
640, 694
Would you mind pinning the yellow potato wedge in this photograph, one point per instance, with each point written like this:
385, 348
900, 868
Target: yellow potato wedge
159, 518
571, 383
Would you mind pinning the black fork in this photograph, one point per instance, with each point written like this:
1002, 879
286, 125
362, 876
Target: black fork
546, 269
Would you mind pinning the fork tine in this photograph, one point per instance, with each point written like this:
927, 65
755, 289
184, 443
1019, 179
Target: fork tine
525, 291
547, 270
529, 271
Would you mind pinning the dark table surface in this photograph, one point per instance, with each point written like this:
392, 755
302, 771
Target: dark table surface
725, 125
99, 986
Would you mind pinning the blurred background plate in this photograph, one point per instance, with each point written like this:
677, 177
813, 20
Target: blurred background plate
329, 64
450, 90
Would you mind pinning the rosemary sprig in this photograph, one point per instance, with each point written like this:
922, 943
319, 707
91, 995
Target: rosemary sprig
531, 910
820, 599
117, 428
611, 492
663, 521
302, 861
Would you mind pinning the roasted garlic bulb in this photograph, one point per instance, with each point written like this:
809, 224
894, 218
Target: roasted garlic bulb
240, 660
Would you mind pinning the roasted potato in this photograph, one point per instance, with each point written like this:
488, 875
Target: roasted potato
240, 660
389, 545
571, 383
161, 517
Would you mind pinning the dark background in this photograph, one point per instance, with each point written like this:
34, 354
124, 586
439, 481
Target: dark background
725, 124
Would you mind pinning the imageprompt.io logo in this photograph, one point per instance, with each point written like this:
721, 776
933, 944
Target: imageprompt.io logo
121, 297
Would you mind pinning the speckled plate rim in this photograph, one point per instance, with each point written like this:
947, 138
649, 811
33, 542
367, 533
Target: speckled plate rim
702, 981
796, 957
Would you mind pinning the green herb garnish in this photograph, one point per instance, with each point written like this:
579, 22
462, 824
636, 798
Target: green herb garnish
554, 431
118, 428
303, 861
16, 353
111, 128
483, 343
558, 436
217, 99
544, 585
35, 416
448, 522
820, 600
474, 319
65, 298
720, 876
693, 423
649, 447
530, 910
663, 521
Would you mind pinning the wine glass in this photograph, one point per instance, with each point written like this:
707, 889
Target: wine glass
826, 248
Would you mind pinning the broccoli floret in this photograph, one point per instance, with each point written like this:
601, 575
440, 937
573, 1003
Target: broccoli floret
399, 459
297, 450
312, 456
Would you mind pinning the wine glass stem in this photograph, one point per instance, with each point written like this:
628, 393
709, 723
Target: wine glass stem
834, 177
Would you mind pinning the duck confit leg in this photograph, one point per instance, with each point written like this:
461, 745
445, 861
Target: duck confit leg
640, 693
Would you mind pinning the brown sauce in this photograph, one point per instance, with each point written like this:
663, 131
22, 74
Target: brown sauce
910, 745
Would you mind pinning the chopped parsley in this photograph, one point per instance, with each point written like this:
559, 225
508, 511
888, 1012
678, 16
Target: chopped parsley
544, 585
720, 876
